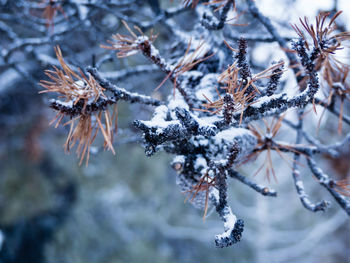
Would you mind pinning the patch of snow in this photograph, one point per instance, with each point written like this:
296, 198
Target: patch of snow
203, 122
200, 163
179, 159
68, 104
177, 102
230, 134
300, 185
159, 119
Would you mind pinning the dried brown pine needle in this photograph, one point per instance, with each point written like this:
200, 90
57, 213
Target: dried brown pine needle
265, 74
191, 58
51, 8
265, 137
240, 99
326, 41
342, 186
128, 45
77, 92
233, 86
71, 85
203, 185
323, 36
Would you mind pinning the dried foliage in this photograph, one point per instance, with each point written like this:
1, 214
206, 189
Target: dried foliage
324, 41
343, 186
128, 45
191, 58
71, 85
267, 143
51, 8
237, 97
203, 185
81, 92
235, 100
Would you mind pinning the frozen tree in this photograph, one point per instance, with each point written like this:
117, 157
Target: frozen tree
225, 105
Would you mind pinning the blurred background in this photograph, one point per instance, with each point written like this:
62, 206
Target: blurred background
127, 207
